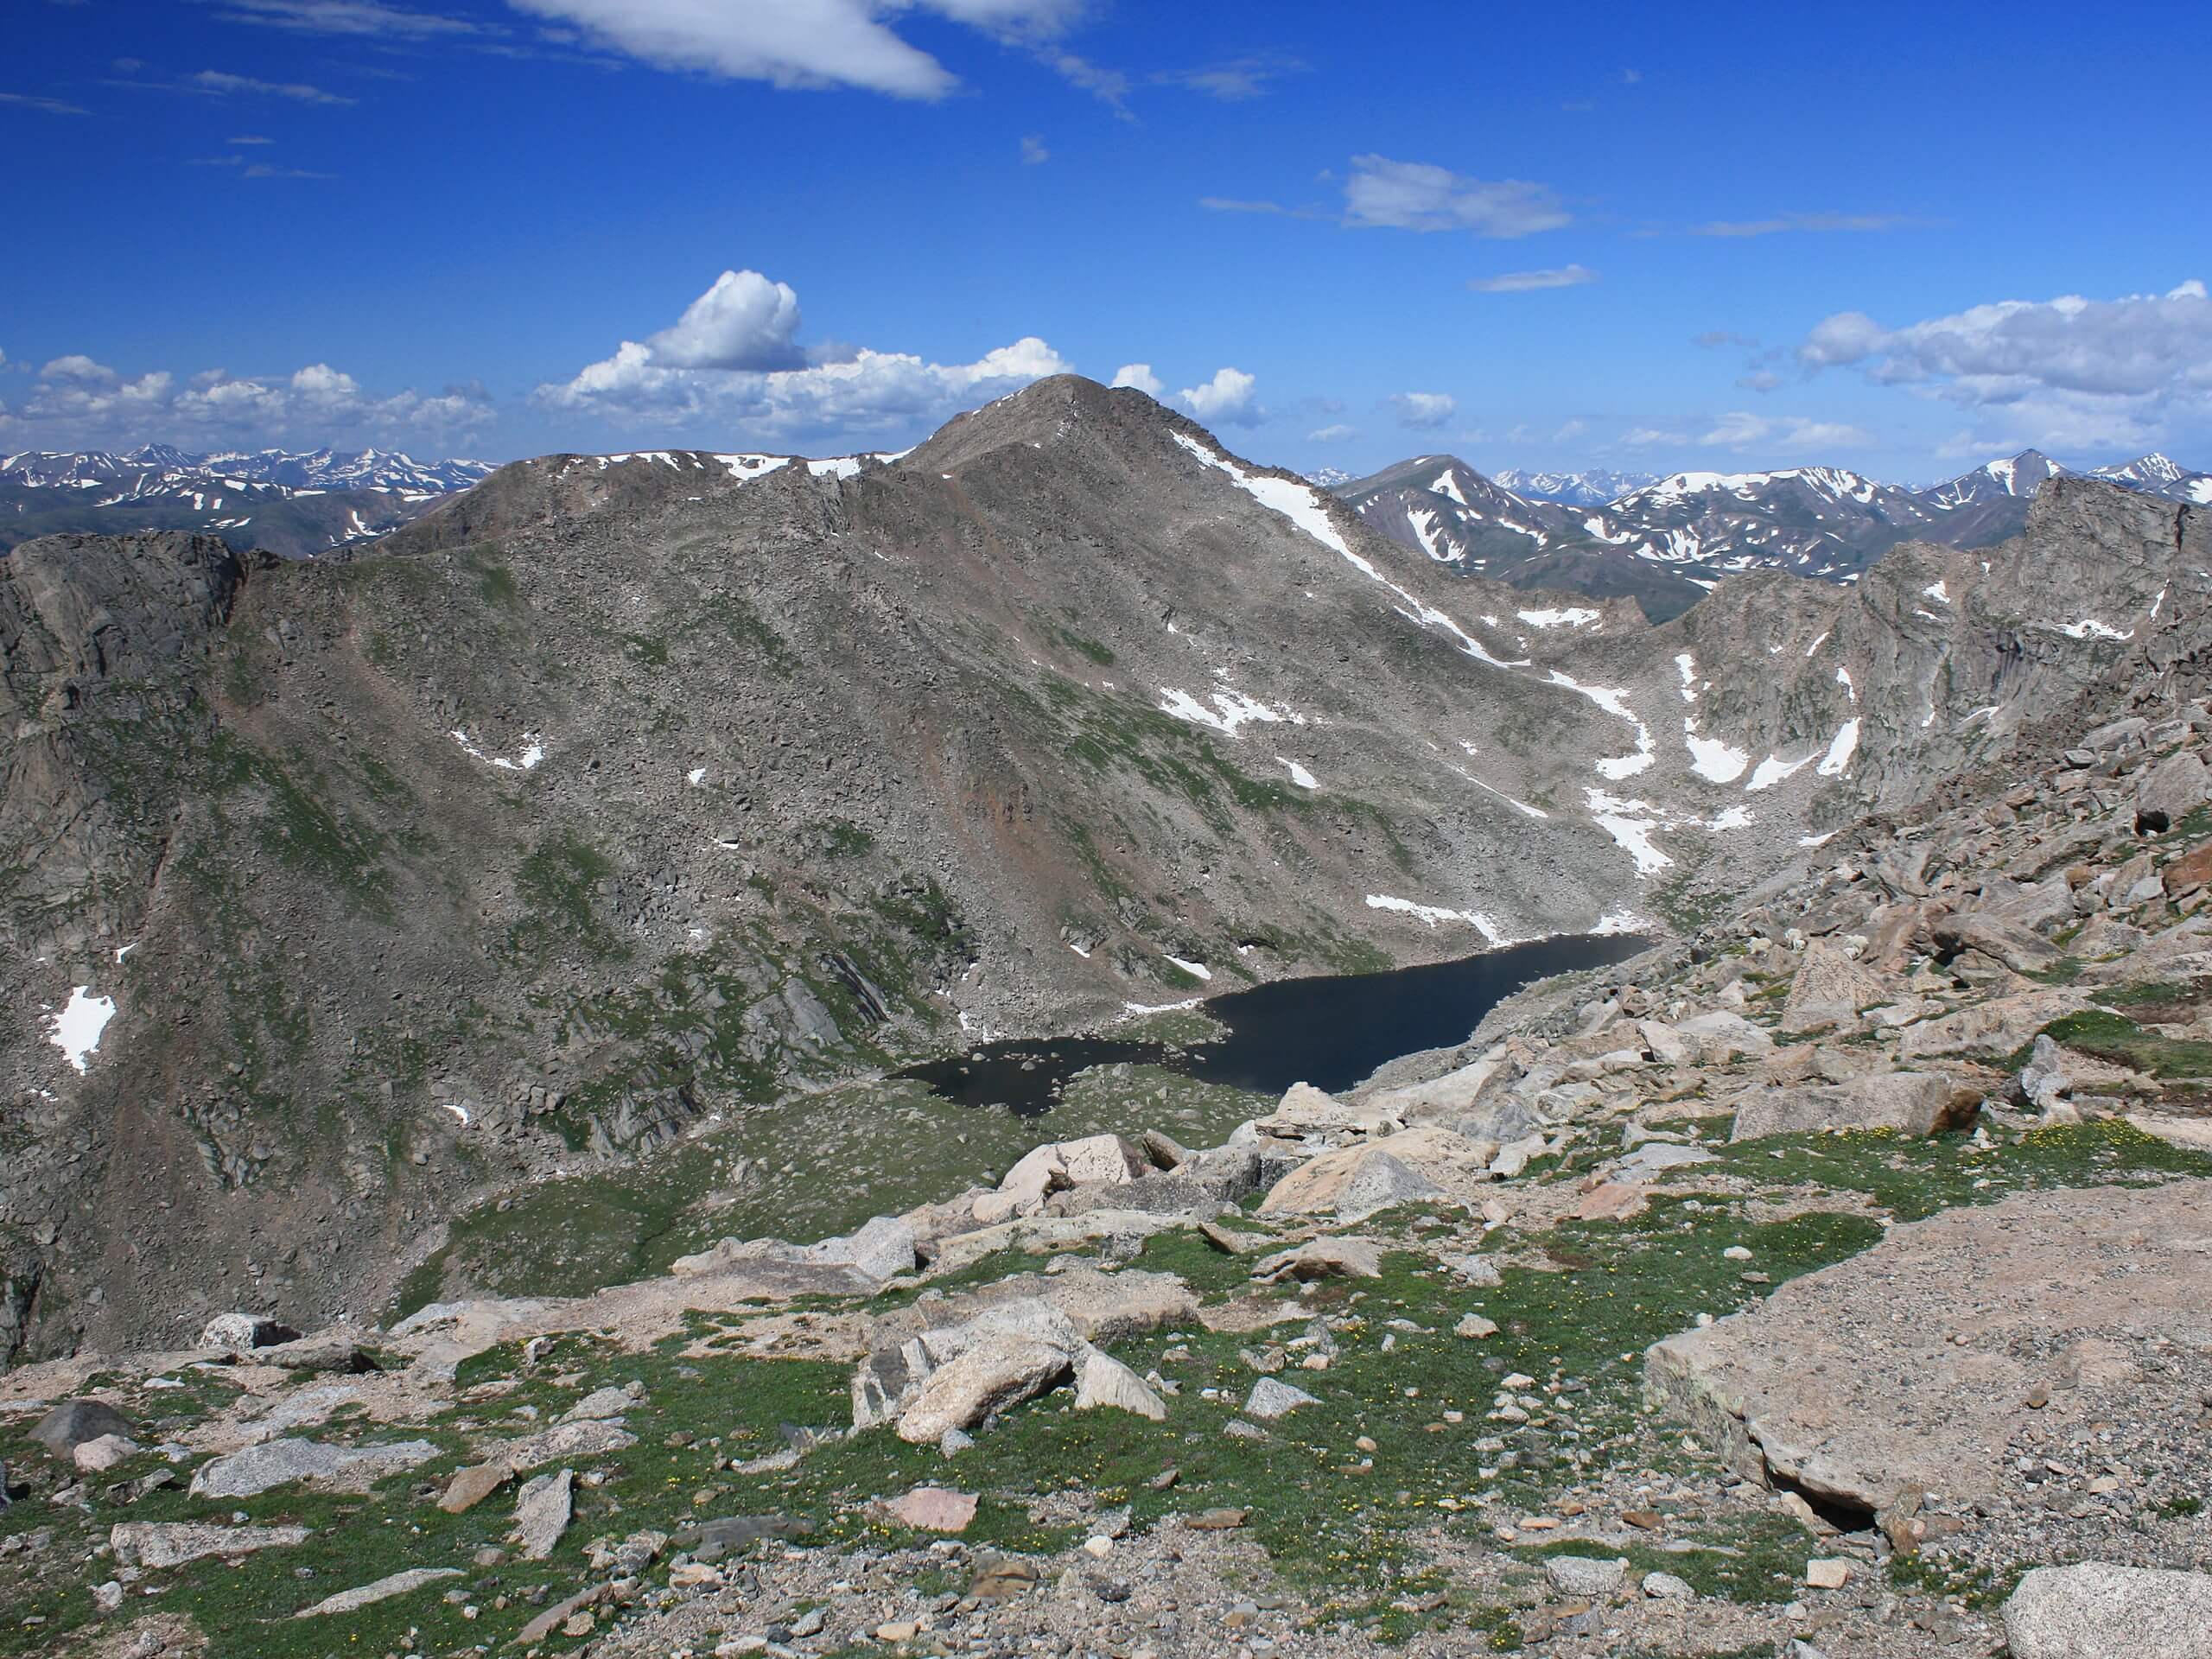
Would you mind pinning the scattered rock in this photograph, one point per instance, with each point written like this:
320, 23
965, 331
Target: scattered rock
1272, 1397
1919, 1103
1218, 1520
1828, 991
158, 1544
1101, 1380
97, 1457
933, 1508
566, 1443
472, 1486
1324, 1258
542, 1508
997, 1372
736, 1533
1586, 1575
1613, 1201
395, 1584
231, 1332
1001, 1577
1230, 1240
2094, 1609
1350, 1185
600, 1405
558, 1614
2170, 790
71, 1423
340, 1354
278, 1463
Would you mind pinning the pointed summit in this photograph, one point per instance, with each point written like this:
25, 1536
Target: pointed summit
2151, 471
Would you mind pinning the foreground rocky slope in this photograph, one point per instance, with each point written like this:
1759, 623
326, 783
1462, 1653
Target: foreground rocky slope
669, 799
1834, 1274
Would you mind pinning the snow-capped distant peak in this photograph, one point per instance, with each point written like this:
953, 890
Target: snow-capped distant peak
2154, 469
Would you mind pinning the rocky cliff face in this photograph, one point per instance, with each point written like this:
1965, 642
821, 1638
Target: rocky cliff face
623, 793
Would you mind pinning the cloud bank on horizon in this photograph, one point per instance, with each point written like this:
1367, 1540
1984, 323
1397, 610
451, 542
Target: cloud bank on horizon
1571, 268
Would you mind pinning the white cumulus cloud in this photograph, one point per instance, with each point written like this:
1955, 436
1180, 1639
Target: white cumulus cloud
743, 321
1141, 375
2067, 372
2131, 347
77, 401
1423, 411
1225, 400
732, 358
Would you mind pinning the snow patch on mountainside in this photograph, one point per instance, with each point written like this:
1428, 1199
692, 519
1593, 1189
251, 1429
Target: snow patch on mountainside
1300, 503
76, 1029
1711, 758
1615, 702
1435, 914
1230, 710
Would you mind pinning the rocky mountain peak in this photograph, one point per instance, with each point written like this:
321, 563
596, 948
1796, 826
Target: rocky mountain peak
1047, 415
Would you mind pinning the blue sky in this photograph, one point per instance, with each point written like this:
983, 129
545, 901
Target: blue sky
1900, 238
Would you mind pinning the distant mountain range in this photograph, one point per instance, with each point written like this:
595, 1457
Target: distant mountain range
1662, 541
296, 503
1590, 489
1665, 542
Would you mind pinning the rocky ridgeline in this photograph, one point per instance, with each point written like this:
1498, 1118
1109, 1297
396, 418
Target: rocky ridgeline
1837, 1280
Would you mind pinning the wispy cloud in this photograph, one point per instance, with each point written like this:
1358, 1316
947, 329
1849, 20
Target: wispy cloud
1033, 153
1741, 429
1336, 433
813, 44
357, 18
1422, 196
1530, 281
1381, 193
1783, 224
1235, 82
221, 83
1236, 204
43, 105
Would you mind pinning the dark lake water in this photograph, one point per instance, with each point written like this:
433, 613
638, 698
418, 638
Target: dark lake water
1330, 1031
